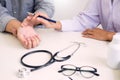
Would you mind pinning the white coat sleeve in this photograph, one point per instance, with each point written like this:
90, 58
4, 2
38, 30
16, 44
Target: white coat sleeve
89, 18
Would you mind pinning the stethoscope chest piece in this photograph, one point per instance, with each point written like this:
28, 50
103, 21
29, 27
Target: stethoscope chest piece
22, 73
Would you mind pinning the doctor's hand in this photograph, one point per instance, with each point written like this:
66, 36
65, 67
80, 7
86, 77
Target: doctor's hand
56, 26
28, 37
98, 34
32, 19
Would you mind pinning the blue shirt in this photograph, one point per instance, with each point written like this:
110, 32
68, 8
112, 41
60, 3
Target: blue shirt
104, 12
17, 9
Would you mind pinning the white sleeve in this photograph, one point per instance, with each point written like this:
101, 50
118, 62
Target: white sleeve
89, 18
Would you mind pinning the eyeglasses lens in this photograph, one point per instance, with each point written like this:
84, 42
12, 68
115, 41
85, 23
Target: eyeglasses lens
68, 70
87, 71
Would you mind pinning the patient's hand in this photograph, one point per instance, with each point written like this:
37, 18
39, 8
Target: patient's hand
28, 37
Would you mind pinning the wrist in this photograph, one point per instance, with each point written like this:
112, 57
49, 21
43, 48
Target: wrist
13, 26
23, 24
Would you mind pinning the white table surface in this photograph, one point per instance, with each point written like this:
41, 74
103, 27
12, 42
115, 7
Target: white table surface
93, 54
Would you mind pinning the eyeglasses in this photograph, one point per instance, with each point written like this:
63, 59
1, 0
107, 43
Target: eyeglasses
85, 71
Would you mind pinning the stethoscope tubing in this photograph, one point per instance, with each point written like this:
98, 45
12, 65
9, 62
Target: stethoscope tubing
36, 51
50, 61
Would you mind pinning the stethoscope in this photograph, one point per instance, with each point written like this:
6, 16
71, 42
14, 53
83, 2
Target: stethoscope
53, 58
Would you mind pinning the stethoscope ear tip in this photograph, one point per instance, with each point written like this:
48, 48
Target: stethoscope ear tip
22, 73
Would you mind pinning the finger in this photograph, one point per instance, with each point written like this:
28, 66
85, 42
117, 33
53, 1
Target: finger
25, 44
40, 14
38, 37
44, 22
29, 18
88, 31
36, 15
23, 41
89, 36
21, 37
27, 21
29, 43
35, 41
84, 32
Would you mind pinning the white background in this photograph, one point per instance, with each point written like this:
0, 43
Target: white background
66, 9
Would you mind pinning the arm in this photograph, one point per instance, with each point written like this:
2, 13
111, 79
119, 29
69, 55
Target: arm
12, 25
4, 18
